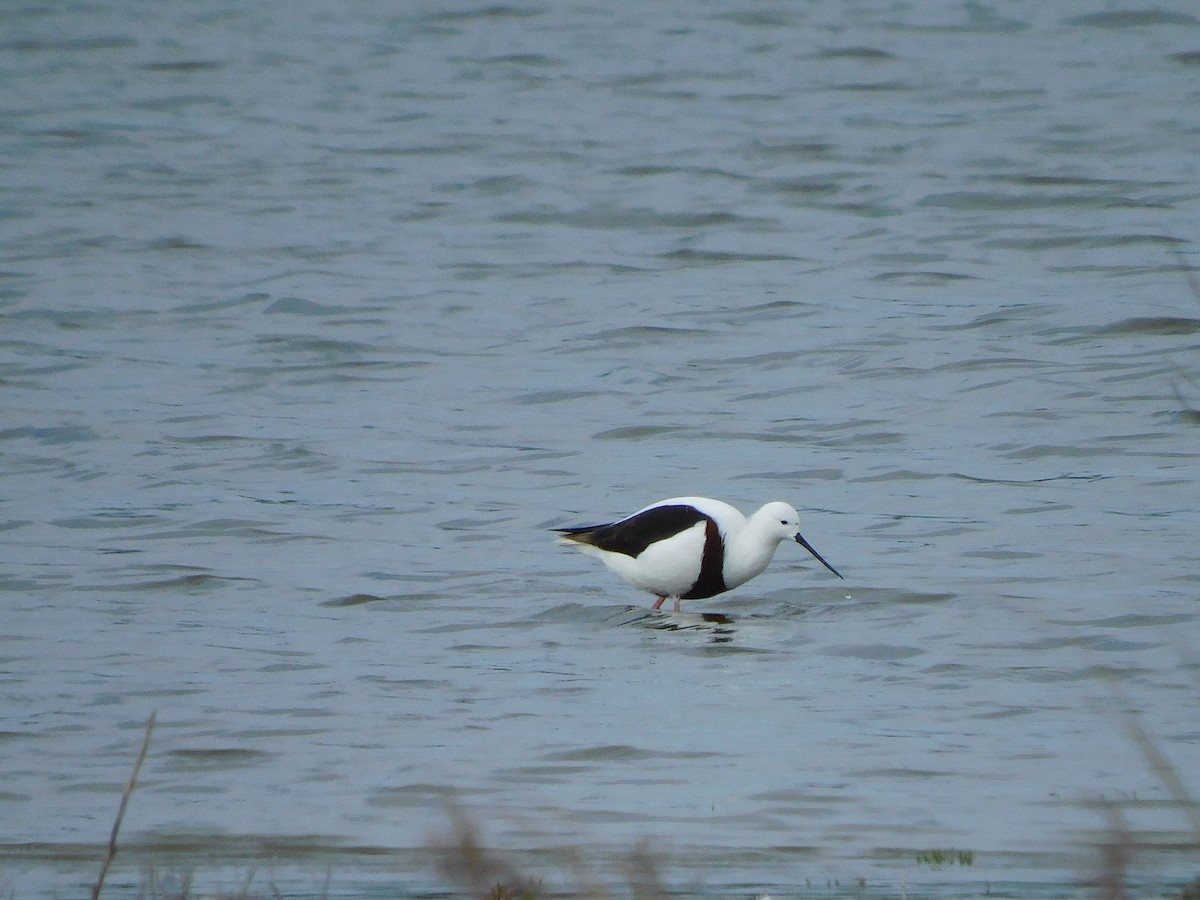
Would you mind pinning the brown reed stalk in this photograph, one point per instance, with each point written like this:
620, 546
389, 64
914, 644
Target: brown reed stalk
1189, 413
1115, 857
1162, 767
129, 786
462, 858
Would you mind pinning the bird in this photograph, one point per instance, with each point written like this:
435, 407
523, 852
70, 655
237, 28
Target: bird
690, 548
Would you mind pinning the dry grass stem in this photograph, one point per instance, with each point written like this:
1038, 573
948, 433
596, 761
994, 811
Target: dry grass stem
1115, 856
463, 860
129, 786
1162, 767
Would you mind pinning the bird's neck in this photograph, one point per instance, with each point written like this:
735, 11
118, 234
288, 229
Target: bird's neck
747, 554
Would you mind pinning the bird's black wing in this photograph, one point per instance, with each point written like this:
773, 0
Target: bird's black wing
633, 535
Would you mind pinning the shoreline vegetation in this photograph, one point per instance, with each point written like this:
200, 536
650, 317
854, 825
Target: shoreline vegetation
463, 861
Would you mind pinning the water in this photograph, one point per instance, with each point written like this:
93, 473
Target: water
315, 319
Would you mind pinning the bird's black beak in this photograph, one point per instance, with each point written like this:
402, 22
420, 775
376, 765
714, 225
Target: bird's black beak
807, 546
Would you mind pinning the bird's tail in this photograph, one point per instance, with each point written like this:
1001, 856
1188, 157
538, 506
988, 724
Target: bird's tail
580, 534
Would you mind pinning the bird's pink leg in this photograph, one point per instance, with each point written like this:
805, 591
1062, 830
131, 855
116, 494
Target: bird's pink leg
677, 604
658, 603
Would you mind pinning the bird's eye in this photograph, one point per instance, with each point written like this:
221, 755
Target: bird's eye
783, 521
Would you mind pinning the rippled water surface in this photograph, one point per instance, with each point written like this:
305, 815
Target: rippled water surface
314, 318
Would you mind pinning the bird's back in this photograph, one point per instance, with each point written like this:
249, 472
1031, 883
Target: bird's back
729, 519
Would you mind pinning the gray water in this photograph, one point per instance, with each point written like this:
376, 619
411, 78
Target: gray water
314, 318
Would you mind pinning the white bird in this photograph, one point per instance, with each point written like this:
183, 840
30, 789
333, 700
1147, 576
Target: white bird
690, 548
